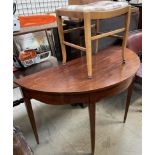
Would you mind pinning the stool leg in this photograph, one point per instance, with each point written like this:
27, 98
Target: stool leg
61, 37
127, 24
124, 45
87, 29
123, 53
92, 109
96, 31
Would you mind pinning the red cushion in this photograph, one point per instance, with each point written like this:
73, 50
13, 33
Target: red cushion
135, 42
139, 72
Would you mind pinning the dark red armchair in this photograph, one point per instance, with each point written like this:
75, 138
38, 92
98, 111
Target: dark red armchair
135, 44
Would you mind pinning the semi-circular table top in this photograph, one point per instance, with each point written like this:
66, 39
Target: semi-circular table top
108, 71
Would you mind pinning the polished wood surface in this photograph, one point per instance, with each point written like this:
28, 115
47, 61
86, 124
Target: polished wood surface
52, 62
66, 84
71, 78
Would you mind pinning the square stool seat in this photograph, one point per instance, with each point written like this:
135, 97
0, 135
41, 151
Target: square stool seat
96, 6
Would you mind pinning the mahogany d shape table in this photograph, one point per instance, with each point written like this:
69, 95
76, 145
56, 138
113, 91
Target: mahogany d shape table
66, 84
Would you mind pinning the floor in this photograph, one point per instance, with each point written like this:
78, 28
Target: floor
64, 130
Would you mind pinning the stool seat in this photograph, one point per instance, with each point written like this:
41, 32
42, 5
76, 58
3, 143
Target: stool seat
96, 6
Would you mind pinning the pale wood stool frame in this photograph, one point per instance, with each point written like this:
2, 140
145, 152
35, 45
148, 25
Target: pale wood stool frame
87, 17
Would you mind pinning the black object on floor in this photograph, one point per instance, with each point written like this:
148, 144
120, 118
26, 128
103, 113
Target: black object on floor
17, 102
82, 105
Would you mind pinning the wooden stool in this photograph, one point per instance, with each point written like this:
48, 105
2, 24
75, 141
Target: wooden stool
87, 13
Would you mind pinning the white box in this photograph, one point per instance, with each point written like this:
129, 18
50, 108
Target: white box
16, 24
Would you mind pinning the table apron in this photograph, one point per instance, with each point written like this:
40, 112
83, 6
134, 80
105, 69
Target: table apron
90, 97
111, 91
56, 99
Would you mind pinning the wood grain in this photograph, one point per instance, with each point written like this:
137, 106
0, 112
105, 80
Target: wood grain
61, 36
87, 33
107, 34
71, 78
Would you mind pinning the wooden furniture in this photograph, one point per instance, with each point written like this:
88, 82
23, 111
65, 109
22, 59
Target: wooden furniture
87, 16
77, 37
69, 84
31, 70
52, 62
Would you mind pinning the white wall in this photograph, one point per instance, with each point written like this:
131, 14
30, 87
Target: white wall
28, 7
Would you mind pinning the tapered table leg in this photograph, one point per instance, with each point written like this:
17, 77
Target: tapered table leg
92, 109
129, 94
31, 117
